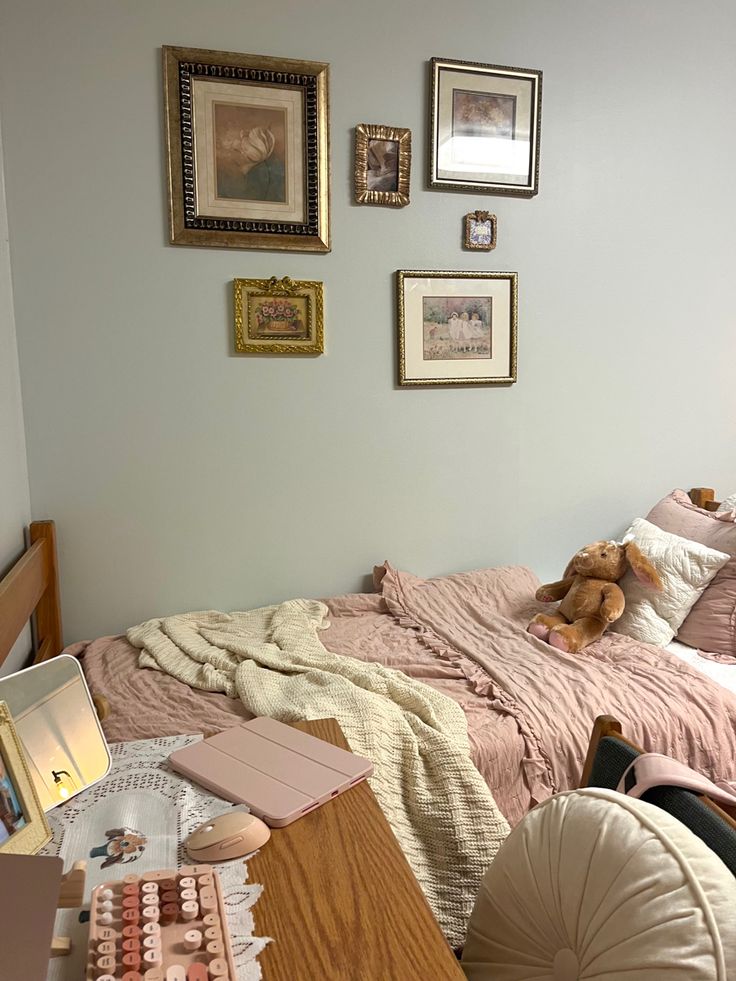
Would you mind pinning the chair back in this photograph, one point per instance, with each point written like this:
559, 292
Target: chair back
609, 756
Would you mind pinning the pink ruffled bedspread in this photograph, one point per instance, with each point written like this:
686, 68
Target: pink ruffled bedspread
530, 708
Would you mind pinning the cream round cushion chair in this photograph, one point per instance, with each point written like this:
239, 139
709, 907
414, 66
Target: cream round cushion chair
596, 885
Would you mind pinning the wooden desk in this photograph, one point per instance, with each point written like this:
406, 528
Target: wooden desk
339, 898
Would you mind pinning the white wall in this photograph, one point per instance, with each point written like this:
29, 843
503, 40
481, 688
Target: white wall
15, 505
183, 477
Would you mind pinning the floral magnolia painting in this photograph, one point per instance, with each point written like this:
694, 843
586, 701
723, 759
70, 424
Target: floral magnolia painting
250, 152
456, 327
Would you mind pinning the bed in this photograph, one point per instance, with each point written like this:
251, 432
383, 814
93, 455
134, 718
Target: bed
530, 709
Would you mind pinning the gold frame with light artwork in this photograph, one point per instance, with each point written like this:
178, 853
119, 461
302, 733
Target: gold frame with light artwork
248, 150
382, 165
279, 316
480, 228
24, 825
484, 127
456, 328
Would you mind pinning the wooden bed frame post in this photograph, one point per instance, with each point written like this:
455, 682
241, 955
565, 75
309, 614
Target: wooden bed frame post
48, 612
33, 585
704, 497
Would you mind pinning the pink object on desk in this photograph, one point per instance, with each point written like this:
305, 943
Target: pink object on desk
174, 951
279, 772
655, 770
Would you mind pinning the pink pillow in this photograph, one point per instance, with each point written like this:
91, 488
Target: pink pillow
711, 624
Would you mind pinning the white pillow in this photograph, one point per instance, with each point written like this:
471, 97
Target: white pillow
728, 505
594, 884
685, 569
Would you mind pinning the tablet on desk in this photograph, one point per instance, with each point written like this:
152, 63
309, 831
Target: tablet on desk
279, 772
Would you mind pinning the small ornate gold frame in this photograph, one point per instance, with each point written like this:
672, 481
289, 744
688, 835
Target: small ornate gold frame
480, 217
364, 134
249, 341
35, 833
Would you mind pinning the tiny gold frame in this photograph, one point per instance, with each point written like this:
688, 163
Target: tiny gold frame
479, 217
310, 291
35, 833
364, 134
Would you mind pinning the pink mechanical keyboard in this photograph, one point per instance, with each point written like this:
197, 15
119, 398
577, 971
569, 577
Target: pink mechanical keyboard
160, 926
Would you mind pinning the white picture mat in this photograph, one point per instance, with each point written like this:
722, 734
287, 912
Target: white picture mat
498, 366
477, 159
207, 92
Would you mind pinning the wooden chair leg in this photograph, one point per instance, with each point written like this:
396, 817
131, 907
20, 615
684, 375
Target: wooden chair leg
604, 725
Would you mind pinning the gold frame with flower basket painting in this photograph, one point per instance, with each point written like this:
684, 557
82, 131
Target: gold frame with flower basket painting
278, 316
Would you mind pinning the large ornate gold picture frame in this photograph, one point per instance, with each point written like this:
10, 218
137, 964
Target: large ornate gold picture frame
248, 150
23, 826
485, 127
278, 316
382, 165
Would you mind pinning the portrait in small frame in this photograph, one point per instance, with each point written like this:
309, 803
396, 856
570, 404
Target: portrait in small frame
382, 165
23, 826
278, 316
480, 231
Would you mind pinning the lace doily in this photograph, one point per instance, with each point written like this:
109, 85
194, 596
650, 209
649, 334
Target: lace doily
135, 821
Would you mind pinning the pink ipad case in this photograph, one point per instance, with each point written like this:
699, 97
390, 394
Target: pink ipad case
279, 772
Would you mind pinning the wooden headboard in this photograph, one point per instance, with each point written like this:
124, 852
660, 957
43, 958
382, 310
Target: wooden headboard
32, 586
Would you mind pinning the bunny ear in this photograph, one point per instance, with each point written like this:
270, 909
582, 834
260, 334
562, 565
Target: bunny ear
642, 567
568, 569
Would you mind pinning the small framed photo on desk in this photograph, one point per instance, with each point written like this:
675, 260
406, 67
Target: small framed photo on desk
23, 826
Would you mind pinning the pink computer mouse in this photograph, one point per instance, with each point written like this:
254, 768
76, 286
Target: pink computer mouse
228, 836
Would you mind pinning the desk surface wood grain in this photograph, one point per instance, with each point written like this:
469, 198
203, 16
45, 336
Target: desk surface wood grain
339, 898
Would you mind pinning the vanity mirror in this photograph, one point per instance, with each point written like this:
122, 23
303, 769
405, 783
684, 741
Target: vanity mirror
58, 727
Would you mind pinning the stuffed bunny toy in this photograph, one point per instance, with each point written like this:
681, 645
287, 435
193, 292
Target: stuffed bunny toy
591, 600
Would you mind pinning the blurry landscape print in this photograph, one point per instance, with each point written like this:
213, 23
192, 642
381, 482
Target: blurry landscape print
456, 327
483, 114
250, 152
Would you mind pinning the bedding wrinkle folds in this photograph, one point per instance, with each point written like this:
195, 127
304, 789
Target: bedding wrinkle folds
477, 620
272, 659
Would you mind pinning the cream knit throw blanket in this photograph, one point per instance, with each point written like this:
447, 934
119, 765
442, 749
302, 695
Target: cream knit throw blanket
437, 803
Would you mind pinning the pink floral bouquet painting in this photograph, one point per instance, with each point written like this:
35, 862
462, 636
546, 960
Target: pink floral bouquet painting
279, 317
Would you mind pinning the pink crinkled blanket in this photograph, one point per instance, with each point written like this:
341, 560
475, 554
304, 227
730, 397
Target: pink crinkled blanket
478, 621
530, 708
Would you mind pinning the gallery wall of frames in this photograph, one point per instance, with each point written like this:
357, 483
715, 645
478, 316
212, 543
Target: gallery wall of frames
248, 146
